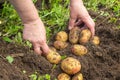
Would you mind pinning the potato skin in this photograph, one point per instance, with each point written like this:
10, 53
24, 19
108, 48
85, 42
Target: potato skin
53, 57
53, 48
63, 76
70, 65
85, 36
61, 36
60, 44
74, 35
96, 40
78, 76
79, 49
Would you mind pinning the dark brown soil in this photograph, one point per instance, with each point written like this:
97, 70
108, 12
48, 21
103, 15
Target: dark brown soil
102, 62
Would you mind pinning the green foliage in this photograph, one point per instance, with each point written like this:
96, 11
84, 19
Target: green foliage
33, 76
55, 16
36, 76
63, 57
12, 25
104, 5
7, 39
10, 59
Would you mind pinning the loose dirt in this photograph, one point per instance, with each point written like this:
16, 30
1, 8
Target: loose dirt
102, 62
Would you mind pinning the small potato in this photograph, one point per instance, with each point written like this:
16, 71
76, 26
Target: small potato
60, 44
53, 57
96, 40
61, 36
53, 49
70, 65
78, 76
79, 49
85, 36
74, 35
63, 76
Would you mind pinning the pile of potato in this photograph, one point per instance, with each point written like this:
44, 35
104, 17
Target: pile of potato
77, 39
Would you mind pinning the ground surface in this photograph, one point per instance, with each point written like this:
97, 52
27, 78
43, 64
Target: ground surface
101, 63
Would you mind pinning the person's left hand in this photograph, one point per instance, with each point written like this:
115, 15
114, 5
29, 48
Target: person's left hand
34, 31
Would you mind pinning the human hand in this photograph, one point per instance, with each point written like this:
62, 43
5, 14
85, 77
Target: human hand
34, 31
79, 13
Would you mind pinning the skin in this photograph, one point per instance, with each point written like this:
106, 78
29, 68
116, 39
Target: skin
34, 29
78, 12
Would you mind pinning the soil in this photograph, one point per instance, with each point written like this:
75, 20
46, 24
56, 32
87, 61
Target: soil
102, 62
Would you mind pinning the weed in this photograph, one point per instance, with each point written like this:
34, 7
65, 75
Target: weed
10, 59
36, 76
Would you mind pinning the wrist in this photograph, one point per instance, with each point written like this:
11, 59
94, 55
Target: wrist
75, 2
35, 22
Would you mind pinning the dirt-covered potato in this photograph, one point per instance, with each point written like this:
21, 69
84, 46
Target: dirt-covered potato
78, 76
85, 36
74, 35
79, 49
53, 57
63, 76
61, 36
96, 40
53, 48
60, 44
70, 65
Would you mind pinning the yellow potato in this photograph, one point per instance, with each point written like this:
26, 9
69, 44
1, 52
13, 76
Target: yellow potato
53, 57
53, 49
96, 40
61, 36
85, 36
74, 35
63, 76
79, 49
60, 44
78, 76
70, 65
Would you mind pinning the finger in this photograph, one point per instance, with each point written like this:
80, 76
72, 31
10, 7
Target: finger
71, 23
45, 48
78, 22
84, 27
37, 48
91, 25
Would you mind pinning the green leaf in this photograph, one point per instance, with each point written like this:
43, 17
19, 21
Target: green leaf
47, 76
7, 39
33, 76
63, 57
10, 59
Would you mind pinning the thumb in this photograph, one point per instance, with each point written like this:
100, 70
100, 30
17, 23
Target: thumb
71, 23
45, 48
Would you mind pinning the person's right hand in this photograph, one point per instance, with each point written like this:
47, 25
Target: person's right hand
34, 31
79, 13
